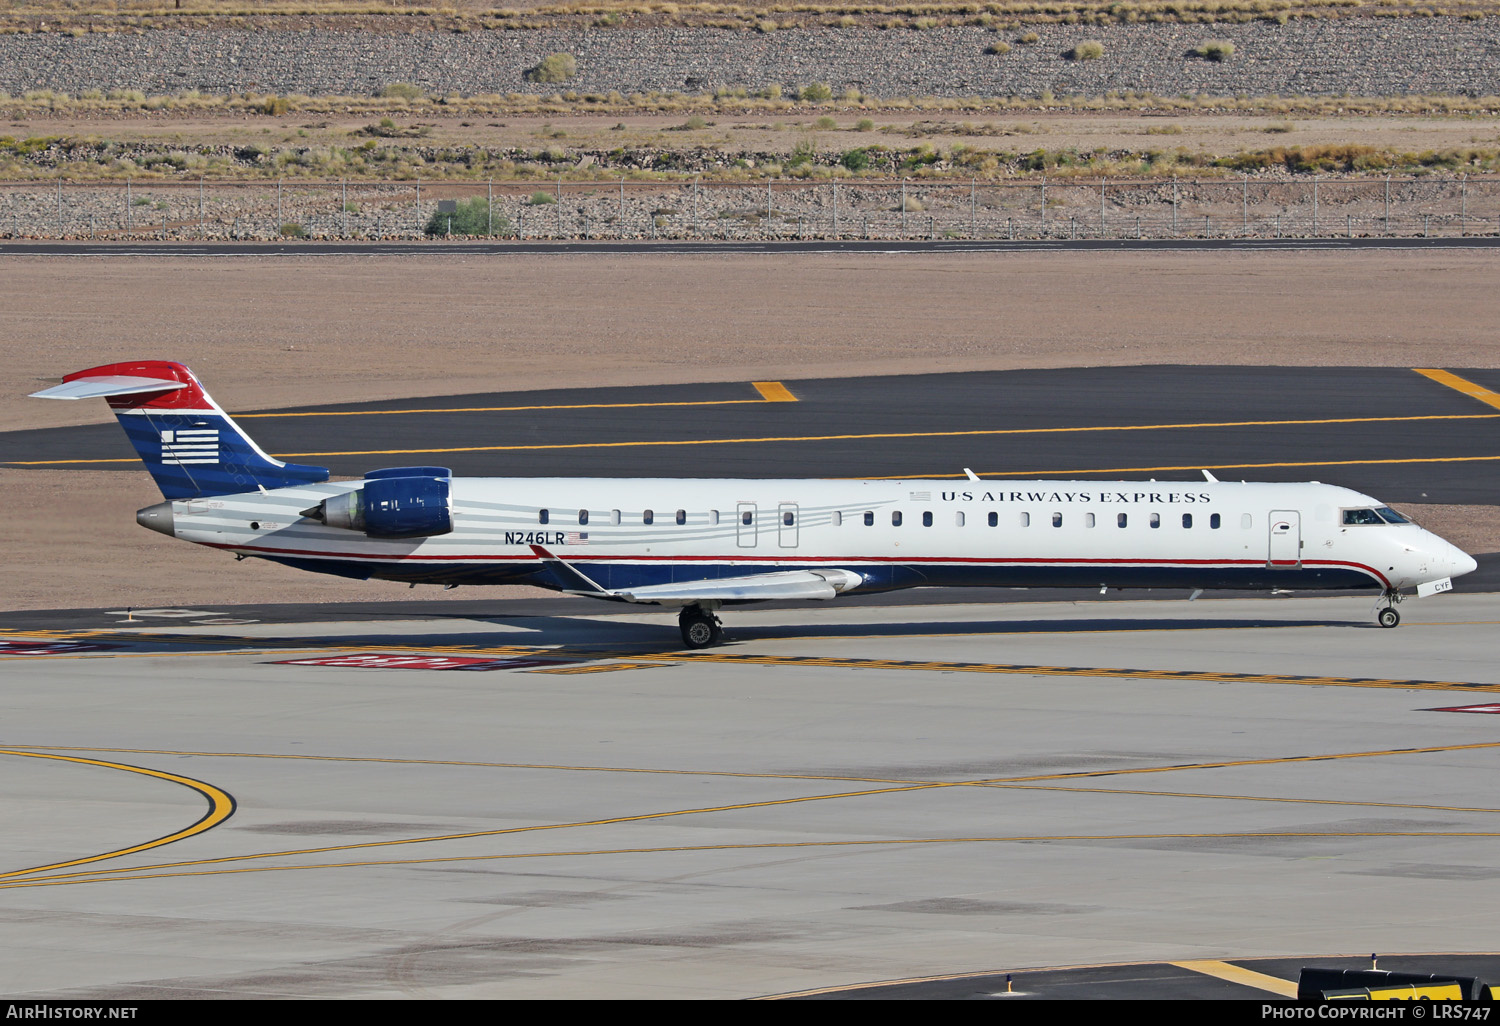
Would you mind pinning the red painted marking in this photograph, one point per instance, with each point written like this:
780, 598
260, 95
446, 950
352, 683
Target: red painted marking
1492, 708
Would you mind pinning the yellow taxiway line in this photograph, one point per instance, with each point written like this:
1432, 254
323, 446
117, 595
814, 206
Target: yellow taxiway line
1463, 385
1244, 977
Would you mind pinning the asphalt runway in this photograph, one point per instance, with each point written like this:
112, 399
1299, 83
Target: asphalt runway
906, 798
1391, 432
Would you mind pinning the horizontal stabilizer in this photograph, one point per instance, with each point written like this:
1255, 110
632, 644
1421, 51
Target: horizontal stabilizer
107, 385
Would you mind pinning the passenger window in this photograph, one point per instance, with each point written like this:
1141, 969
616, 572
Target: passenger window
1025, 519
747, 518
994, 519
614, 516
1246, 521
542, 516
1155, 520
648, 516
958, 519
1088, 520
788, 518
869, 518
1122, 520
1057, 520
583, 516
896, 518
927, 518
838, 519
713, 516
1214, 520
682, 516
1187, 520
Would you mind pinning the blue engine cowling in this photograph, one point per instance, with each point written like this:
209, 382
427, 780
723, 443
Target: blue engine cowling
401, 502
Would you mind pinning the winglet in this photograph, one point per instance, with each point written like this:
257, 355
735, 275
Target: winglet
569, 576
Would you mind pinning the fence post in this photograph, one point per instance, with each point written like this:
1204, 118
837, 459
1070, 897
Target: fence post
127, 207
1044, 204
903, 208
1174, 204
1388, 204
344, 207
622, 206
695, 206
1101, 208
59, 209
1245, 205
418, 208
489, 211
835, 210
973, 207
1315, 206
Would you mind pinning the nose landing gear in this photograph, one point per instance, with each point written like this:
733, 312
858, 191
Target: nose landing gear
700, 627
1388, 617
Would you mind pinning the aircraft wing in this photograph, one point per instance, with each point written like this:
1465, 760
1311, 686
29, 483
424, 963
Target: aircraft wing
777, 584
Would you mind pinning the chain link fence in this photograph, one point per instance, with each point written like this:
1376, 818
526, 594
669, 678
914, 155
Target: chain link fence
1248, 207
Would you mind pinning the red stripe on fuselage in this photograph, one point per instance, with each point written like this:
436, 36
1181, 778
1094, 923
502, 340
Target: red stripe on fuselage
578, 557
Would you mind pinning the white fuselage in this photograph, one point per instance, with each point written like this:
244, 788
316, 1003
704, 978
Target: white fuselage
894, 534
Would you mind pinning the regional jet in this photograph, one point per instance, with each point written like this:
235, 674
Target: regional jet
700, 544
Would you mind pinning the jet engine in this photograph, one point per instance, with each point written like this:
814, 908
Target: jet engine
400, 502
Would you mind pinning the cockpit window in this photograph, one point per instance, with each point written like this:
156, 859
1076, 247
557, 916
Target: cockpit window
1390, 516
1361, 516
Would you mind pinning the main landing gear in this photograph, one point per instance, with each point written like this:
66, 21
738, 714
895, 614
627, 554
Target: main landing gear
1388, 617
700, 627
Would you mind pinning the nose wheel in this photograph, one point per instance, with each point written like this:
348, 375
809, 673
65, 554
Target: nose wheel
1388, 617
700, 628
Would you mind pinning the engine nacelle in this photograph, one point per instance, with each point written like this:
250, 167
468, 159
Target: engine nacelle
402, 502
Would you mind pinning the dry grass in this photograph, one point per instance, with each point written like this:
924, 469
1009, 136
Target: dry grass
82, 16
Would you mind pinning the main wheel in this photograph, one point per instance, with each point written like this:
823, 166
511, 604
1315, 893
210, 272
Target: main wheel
1388, 617
699, 629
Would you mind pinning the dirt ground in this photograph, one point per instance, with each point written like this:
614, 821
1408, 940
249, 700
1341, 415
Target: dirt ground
281, 332
772, 131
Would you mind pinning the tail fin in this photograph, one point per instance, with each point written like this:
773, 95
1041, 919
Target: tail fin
188, 443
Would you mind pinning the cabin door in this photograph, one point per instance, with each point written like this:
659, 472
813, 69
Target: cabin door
745, 525
1286, 539
786, 525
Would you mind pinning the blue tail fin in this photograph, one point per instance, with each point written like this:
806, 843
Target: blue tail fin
188, 443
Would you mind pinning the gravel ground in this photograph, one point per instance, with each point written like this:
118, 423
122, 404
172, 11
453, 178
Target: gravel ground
1398, 57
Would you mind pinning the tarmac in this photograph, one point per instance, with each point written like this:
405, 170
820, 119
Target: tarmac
204, 804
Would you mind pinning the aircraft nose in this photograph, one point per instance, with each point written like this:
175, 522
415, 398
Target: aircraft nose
1463, 563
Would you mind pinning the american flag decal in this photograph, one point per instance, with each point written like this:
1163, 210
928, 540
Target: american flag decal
921, 496
578, 537
190, 445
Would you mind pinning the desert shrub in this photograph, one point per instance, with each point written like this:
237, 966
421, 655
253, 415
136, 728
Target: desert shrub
471, 218
817, 92
541, 198
826, 124
1089, 50
1215, 50
864, 125
998, 48
856, 160
1028, 39
401, 91
274, 105
558, 67
293, 230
